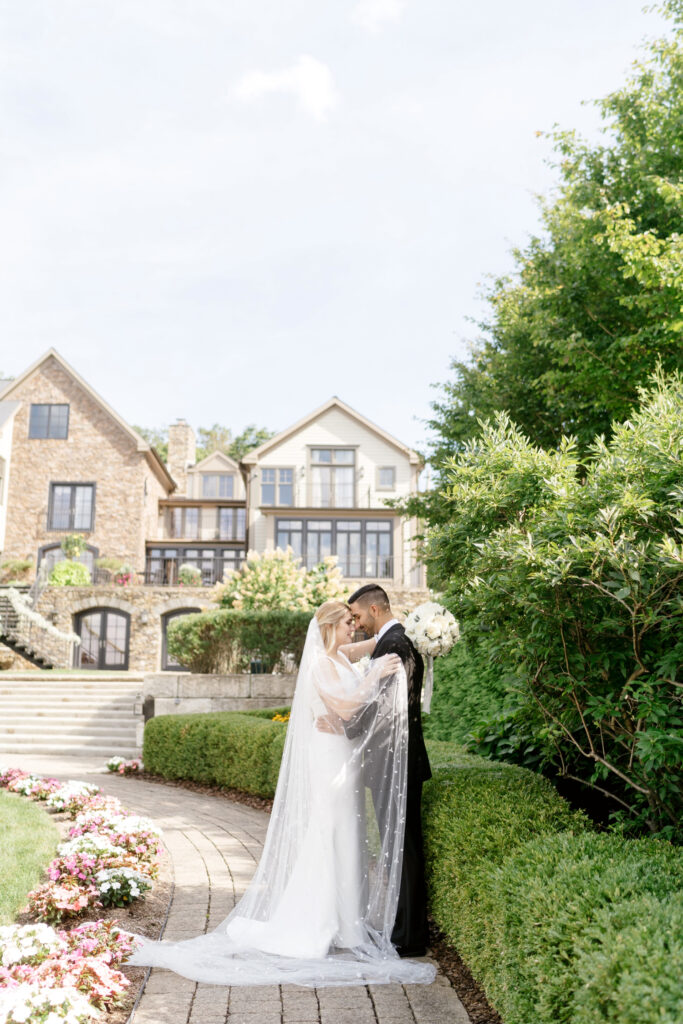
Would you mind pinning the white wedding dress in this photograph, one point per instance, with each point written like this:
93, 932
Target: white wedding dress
322, 904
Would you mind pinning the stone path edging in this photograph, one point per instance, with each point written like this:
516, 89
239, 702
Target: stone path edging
214, 845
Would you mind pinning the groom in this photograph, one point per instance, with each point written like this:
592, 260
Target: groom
372, 613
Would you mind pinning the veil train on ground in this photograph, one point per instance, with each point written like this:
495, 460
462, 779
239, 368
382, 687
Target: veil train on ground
321, 906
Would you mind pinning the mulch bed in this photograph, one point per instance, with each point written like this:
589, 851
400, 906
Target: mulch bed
469, 992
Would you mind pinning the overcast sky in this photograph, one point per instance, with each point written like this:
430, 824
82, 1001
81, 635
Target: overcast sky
230, 210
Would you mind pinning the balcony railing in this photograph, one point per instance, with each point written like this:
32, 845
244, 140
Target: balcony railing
166, 572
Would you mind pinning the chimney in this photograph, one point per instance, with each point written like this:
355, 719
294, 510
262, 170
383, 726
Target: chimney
182, 452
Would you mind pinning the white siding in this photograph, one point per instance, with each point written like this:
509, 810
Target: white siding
336, 428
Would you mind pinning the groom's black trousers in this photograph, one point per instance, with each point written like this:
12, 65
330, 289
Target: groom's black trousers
411, 930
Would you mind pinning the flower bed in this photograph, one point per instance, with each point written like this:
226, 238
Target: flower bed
108, 860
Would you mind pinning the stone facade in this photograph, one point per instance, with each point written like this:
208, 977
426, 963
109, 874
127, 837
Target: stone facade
145, 605
97, 450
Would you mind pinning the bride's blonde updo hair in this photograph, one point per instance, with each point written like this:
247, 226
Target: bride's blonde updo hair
328, 615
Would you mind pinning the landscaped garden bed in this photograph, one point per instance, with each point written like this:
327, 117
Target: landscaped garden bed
65, 950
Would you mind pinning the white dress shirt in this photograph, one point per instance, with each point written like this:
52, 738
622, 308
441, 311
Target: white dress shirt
385, 627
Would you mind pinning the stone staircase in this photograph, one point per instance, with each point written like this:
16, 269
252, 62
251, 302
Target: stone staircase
97, 714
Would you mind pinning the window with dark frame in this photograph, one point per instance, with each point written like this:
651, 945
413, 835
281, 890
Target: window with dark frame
277, 486
49, 421
71, 507
231, 523
364, 547
185, 522
163, 563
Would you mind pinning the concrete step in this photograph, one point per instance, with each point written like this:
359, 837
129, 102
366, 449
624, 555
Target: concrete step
98, 748
86, 700
91, 677
46, 728
60, 714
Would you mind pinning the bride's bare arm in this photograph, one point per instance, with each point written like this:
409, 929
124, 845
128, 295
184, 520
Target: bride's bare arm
347, 706
354, 652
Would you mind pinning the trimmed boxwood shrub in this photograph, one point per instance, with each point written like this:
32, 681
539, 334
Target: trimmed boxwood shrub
558, 923
226, 748
227, 640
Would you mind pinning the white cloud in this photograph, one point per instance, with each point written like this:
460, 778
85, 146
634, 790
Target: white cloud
372, 15
309, 80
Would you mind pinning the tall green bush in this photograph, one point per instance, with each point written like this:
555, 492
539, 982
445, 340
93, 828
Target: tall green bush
227, 639
569, 578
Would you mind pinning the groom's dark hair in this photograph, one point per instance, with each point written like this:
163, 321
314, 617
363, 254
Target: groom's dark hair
371, 593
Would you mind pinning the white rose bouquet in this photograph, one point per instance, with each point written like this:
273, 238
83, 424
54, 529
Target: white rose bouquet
433, 630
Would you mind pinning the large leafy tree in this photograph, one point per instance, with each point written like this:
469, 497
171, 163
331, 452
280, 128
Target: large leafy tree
596, 301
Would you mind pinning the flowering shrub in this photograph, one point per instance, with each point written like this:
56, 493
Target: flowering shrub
36, 1004
123, 767
104, 939
276, 579
118, 887
28, 944
84, 802
280, 718
78, 865
8, 775
70, 794
189, 575
55, 902
125, 831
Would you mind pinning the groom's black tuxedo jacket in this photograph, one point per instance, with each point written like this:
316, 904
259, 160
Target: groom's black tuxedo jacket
395, 641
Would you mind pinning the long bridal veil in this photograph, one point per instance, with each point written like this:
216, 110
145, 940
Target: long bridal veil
322, 903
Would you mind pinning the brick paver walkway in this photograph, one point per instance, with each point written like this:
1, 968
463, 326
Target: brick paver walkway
214, 845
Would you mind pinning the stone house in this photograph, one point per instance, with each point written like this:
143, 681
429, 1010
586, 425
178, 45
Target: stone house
69, 464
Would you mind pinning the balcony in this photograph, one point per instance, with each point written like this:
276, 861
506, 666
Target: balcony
203, 523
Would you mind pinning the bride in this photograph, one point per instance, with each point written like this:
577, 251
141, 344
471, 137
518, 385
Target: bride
321, 906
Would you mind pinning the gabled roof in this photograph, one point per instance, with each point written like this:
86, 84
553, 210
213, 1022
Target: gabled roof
226, 460
155, 462
255, 454
7, 410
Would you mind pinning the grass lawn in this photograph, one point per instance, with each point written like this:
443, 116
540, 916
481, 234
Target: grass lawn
28, 842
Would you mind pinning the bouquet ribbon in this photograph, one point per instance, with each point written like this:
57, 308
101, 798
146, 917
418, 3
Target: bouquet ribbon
428, 685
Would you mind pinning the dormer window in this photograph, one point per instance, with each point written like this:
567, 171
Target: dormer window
49, 421
218, 485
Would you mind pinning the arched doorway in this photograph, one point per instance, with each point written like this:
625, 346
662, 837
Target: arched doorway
105, 639
168, 662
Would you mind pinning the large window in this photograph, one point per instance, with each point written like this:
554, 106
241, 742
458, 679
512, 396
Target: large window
231, 523
49, 421
163, 563
218, 485
277, 486
185, 522
71, 507
332, 477
364, 547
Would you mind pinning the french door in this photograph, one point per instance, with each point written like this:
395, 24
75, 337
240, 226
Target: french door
105, 637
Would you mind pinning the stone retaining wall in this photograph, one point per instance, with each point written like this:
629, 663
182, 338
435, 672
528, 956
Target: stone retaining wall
185, 693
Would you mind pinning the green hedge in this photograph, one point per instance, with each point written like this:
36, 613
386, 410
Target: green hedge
227, 640
558, 923
232, 749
